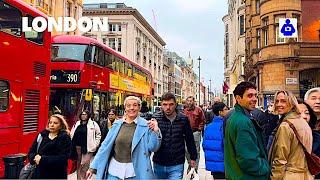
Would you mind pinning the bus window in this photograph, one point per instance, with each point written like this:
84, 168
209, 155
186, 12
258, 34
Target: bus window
33, 36
96, 107
4, 95
94, 55
99, 56
129, 70
112, 100
114, 63
121, 66
108, 60
69, 52
117, 63
10, 19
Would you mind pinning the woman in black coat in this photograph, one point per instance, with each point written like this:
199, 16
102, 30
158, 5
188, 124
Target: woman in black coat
51, 159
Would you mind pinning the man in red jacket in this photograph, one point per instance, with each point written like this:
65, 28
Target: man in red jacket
197, 121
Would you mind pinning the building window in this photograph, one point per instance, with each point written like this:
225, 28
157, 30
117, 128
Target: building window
258, 39
241, 25
279, 40
242, 60
265, 31
112, 27
75, 14
257, 6
297, 16
112, 43
119, 44
68, 9
104, 40
119, 27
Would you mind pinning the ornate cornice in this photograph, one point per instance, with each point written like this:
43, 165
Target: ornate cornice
125, 11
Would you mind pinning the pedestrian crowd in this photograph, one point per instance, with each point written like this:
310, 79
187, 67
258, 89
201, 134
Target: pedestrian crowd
246, 142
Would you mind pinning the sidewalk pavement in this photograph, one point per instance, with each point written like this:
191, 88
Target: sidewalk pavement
203, 174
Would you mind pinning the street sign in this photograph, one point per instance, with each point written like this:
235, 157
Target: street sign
291, 81
288, 28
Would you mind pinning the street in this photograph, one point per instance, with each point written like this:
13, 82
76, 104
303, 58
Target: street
203, 174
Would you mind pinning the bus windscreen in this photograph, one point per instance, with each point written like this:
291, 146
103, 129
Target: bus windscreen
70, 52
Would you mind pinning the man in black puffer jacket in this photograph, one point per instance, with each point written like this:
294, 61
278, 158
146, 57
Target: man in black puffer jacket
176, 131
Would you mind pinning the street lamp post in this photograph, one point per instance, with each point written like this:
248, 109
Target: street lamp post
199, 59
210, 91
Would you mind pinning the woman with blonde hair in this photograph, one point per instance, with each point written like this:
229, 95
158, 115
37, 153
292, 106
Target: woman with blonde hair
51, 158
125, 153
286, 155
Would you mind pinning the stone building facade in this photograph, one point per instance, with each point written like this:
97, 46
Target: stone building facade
276, 63
234, 51
131, 35
59, 8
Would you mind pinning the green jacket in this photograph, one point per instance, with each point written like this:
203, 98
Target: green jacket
245, 155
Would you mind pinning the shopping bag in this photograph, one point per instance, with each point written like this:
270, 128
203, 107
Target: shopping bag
192, 175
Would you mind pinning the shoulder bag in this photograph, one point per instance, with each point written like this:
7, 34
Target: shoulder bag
313, 160
28, 170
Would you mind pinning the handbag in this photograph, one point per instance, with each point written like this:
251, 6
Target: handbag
313, 160
28, 170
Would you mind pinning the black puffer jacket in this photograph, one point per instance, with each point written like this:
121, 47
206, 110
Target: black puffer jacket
174, 136
54, 156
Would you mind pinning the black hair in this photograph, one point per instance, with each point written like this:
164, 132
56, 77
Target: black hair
88, 114
242, 87
144, 107
218, 107
168, 96
313, 118
112, 110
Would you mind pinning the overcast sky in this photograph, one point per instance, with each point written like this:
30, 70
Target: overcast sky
188, 25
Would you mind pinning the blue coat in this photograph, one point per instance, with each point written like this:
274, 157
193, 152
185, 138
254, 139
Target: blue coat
144, 141
213, 145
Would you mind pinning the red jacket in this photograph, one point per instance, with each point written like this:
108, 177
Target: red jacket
196, 118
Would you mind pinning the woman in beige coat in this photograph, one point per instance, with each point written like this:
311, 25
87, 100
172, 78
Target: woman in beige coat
287, 157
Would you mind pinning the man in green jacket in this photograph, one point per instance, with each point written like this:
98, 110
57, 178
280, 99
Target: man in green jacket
245, 155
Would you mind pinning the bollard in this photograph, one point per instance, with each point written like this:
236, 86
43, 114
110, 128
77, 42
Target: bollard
13, 164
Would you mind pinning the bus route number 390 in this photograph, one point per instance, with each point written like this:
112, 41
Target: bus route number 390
72, 78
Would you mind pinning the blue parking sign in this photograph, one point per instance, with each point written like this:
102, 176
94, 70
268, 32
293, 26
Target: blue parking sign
288, 28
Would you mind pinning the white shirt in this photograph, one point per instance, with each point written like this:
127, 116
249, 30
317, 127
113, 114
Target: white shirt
121, 170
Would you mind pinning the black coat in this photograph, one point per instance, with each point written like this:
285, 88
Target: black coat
316, 145
54, 156
174, 137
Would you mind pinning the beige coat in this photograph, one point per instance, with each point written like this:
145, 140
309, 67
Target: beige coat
287, 157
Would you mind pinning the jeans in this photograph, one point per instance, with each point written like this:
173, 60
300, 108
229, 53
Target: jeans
111, 177
168, 172
197, 139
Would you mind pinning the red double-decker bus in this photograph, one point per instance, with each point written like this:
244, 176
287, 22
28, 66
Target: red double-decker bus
81, 65
24, 79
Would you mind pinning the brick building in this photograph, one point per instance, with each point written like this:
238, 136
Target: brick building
276, 63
